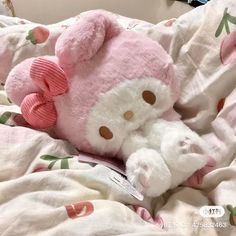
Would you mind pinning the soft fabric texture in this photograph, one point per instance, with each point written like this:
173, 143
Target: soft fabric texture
25, 39
52, 192
39, 109
197, 52
35, 180
115, 89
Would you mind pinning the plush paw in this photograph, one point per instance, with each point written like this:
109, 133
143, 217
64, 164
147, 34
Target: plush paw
185, 153
148, 173
187, 145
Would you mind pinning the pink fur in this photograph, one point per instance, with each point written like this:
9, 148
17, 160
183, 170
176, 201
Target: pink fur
96, 56
19, 83
82, 41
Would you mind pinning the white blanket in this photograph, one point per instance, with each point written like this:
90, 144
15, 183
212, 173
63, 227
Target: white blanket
46, 190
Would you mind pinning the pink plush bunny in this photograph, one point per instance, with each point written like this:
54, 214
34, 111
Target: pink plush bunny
111, 92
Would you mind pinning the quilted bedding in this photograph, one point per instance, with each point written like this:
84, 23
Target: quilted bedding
48, 188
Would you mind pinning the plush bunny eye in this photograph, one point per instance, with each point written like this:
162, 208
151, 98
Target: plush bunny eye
105, 132
149, 97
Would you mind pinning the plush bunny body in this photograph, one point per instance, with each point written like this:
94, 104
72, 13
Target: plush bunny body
111, 92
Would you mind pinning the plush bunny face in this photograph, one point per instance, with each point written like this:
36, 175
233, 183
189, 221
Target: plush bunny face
103, 84
114, 117
128, 81
115, 114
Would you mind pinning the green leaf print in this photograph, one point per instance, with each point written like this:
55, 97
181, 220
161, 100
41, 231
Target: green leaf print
225, 23
232, 217
54, 159
49, 158
220, 28
5, 117
31, 38
222, 24
227, 27
51, 165
8, 99
64, 164
231, 19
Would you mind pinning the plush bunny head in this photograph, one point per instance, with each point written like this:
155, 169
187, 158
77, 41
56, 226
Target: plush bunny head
103, 83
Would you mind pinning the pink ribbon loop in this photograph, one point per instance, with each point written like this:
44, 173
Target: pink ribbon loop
38, 111
49, 77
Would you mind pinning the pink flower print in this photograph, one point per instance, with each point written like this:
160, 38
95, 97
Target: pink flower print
40, 168
80, 209
145, 215
228, 49
22, 22
169, 23
38, 35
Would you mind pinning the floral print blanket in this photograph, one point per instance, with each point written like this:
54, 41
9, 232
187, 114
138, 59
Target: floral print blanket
48, 188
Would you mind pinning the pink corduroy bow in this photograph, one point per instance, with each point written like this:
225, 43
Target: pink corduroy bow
38, 109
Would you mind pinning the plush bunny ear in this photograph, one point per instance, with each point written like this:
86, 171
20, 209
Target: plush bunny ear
82, 40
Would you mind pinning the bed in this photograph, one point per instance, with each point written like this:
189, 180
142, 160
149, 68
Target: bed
48, 188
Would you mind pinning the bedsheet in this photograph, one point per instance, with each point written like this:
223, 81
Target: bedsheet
47, 189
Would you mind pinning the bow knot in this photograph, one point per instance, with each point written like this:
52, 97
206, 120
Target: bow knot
38, 109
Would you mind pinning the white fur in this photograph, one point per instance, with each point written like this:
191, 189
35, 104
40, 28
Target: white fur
159, 154
111, 106
182, 150
148, 172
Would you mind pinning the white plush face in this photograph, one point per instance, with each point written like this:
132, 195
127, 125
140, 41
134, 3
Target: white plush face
124, 109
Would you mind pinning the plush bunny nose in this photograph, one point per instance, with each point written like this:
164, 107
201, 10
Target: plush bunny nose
128, 115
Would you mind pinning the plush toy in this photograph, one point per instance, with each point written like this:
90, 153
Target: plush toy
111, 92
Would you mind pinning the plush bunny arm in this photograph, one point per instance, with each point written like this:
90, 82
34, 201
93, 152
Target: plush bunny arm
182, 149
148, 172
